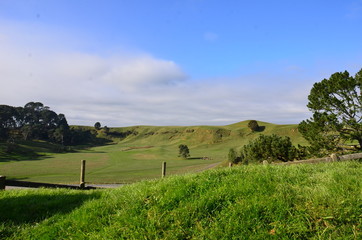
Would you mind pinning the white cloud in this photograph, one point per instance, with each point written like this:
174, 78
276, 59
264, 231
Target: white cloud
142, 71
121, 91
133, 89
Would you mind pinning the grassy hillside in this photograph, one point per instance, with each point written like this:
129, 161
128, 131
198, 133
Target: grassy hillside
137, 152
320, 201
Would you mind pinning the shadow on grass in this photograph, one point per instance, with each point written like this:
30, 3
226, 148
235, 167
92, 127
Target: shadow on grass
206, 158
260, 129
194, 158
33, 207
36, 150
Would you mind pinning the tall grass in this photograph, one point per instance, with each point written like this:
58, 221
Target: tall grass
321, 201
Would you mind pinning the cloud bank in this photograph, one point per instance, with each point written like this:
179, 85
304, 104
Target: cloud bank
138, 88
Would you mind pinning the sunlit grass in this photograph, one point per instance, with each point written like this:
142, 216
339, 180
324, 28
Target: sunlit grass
320, 201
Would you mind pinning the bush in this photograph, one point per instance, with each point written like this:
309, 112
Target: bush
269, 148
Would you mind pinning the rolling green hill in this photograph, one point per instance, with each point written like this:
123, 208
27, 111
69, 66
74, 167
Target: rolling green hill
206, 137
137, 152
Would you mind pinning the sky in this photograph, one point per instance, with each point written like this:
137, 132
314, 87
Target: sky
168, 62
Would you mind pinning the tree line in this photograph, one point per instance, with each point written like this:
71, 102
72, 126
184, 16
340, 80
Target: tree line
37, 121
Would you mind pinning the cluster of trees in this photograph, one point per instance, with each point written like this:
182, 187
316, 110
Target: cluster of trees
336, 104
36, 121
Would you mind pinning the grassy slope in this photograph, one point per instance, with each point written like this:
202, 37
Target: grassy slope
127, 160
320, 201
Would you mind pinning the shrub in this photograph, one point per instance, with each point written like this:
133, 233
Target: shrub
271, 148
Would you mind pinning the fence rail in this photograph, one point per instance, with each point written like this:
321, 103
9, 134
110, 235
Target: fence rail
16, 183
333, 158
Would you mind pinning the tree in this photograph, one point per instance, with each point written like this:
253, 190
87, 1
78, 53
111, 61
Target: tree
336, 104
184, 151
253, 125
97, 125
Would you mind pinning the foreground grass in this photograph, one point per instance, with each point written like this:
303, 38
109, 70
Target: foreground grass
322, 201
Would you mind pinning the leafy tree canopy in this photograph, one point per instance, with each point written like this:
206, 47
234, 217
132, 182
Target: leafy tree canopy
336, 105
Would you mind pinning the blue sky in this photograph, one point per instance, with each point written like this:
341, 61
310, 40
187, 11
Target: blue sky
175, 62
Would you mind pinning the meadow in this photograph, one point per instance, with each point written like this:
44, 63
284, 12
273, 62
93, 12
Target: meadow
318, 201
139, 154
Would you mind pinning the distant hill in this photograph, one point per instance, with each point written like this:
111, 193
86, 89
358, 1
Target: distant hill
233, 135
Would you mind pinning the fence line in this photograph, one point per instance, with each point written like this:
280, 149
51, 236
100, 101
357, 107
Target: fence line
333, 158
16, 183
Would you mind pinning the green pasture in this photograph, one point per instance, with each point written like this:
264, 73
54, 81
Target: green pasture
139, 155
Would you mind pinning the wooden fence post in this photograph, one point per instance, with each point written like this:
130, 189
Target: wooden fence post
230, 164
334, 157
82, 174
163, 169
2, 182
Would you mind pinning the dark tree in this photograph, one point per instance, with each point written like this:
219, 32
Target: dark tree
8, 116
97, 125
336, 105
253, 125
106, 129
184, 151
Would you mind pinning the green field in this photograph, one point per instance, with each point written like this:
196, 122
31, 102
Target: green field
319, 201
139, 155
